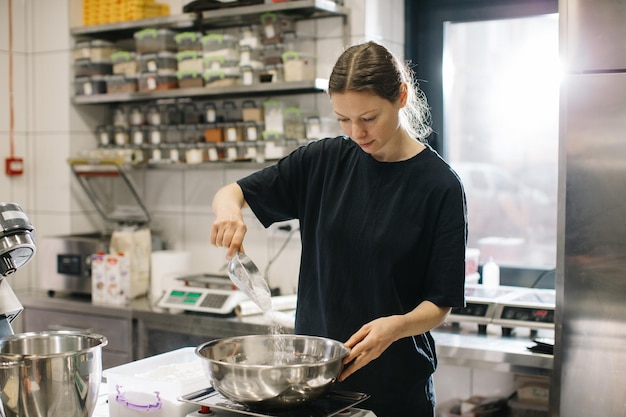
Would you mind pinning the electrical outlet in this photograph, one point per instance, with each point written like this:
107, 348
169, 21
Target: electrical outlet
14, 166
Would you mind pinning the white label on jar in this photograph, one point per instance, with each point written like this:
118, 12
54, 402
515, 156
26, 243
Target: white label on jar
152, 83
156, 154
232, 153
245, 57
120, 138
155, 118
213, 154
86, 52
135, 118
87, 89
270, 33
210, 115
251, 133
231, 134
174, 154
104, 138
193, 156
251, 152
248, 77
155, 137
138, 137
152, 66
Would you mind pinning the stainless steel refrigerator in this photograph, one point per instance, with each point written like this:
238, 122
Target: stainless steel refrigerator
589, 377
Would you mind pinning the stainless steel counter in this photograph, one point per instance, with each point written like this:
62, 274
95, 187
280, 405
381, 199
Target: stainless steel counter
456, 345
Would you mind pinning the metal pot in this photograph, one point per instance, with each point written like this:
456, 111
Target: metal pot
49, 374
272, 371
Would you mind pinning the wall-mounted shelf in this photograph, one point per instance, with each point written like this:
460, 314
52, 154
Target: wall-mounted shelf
282, 88
225, 17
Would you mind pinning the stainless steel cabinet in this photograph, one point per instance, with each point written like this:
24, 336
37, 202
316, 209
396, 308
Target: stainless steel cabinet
117, 330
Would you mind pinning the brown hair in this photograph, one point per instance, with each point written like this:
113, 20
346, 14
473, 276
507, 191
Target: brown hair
371, 68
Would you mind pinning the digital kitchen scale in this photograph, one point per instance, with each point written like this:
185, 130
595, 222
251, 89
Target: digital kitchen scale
204, 293
481, 302
533, 308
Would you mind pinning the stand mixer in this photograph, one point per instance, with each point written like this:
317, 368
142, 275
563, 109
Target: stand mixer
17, 247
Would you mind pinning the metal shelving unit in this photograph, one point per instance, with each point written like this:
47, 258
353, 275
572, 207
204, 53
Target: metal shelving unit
225, 17
282, 88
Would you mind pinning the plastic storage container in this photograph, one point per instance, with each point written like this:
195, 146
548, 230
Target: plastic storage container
190, 79
298, 67
150, 81
86, 67
214, 42
96, 50
151, 40
124, 62
120, 83
273, 26
221, 77
88, 86
151, 386
161, 62
188, 41
226, 58
190, 61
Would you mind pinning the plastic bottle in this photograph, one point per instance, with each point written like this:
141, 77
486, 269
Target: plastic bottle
491, 273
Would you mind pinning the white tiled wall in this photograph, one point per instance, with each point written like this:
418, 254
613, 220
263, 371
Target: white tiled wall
48, 129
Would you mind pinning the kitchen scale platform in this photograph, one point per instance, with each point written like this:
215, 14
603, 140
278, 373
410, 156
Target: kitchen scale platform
204, 293
328, 405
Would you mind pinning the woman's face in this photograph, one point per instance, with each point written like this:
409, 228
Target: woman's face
371, 122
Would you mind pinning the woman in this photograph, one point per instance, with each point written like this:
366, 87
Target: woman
383, 229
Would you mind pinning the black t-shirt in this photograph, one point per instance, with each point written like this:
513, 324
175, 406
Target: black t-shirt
378, 238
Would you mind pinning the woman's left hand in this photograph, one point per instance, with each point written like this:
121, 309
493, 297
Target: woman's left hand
369, 342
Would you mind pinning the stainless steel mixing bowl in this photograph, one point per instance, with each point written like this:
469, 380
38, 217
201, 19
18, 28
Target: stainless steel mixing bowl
272, 371
48, 374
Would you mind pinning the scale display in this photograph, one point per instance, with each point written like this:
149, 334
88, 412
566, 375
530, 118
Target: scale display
533, 308
206, 300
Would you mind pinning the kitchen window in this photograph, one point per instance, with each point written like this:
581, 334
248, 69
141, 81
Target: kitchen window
491, 73
500, 82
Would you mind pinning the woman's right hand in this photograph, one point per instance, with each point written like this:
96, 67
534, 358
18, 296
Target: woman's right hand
228, 229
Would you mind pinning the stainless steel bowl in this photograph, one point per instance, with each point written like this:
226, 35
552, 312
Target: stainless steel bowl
272, 371
50, 373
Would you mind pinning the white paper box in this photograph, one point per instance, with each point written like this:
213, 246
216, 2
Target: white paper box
150, 387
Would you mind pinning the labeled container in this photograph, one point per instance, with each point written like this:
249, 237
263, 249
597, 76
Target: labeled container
298, 67
188, 41
151, 386
153, 115
294, 127
190, 79
120, 136
250, 112
215, 42
152, 40
226, 58
250, 36
87, 86
190, 61
137, 135
151, 81
119, 83
252, 131
160, 62
125, 62
136, 116
213, 132
221, 77
272, 54
210, 112
193, 133
190, 114
233, 132
86, 67
249, 55
272, 73
250, 74
96, 50
273, 26
230, 112
104, 135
